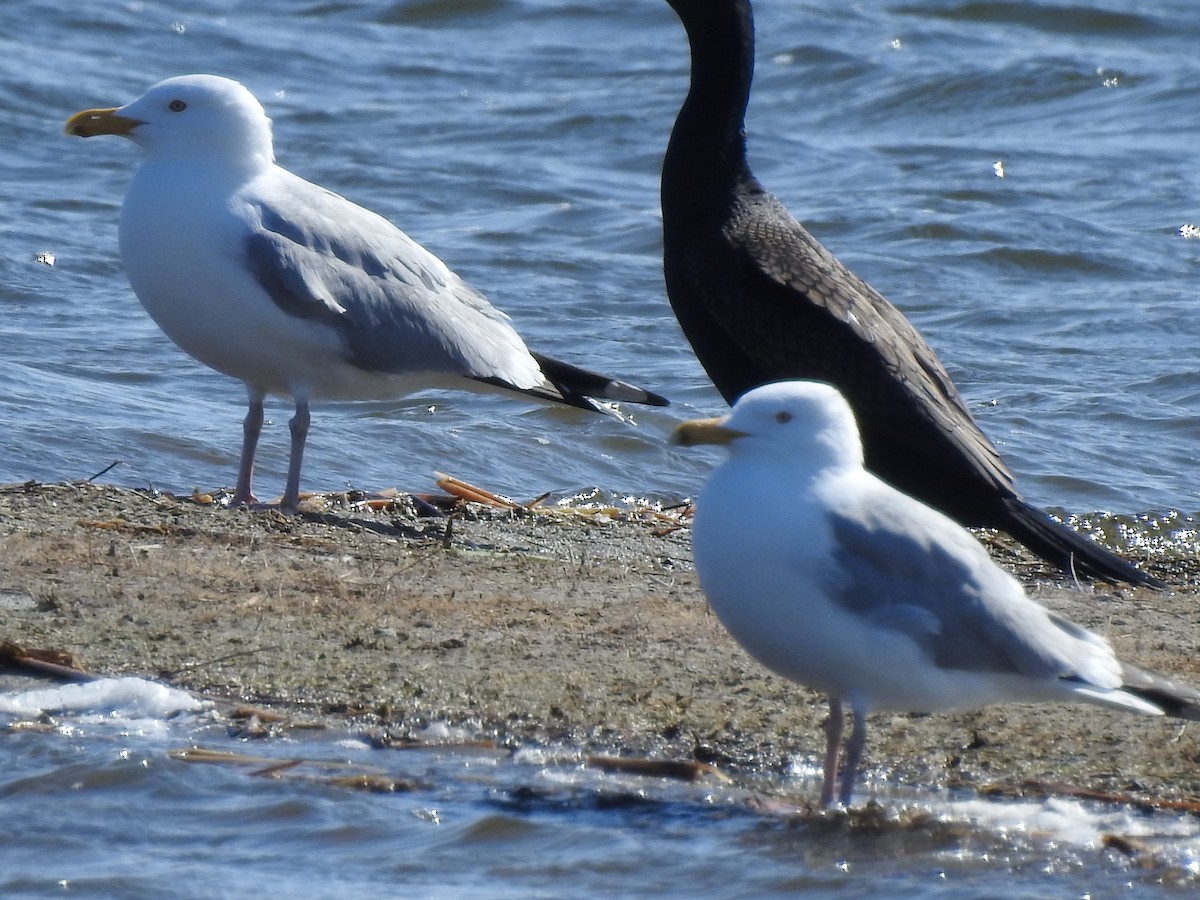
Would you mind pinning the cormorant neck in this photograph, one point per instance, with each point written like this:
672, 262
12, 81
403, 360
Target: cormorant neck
707, 150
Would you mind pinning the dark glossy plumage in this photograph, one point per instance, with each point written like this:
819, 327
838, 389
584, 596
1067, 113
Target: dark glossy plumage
761, 300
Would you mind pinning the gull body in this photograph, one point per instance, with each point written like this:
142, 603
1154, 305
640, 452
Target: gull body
292, 288
836, 580
761, 300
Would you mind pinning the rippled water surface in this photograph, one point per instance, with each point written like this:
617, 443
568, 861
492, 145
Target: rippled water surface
521, 141
126, 795
1019, 177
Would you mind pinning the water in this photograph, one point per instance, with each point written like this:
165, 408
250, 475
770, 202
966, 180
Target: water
521, 142
110, 805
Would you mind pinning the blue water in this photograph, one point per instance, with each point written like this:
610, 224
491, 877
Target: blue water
106, 804
521, 141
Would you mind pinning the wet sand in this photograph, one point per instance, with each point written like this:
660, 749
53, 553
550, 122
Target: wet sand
584, 628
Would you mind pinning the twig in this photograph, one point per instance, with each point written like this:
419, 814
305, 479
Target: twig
112, 465
171, 673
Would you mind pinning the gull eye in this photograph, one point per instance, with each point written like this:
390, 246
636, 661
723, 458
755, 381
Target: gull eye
783, 417
176, 106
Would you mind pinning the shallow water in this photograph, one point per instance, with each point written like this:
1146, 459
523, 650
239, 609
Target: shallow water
521, 142
109, 805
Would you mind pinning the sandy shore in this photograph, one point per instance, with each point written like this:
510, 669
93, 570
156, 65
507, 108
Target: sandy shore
585, 628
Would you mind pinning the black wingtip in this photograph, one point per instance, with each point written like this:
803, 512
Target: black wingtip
574, 382
1175, 698
622, 392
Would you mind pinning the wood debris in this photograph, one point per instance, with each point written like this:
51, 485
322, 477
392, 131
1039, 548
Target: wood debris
679, 770
1060, 789
60, 664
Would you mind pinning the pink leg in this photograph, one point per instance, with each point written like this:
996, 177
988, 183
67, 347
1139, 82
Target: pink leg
854, 754
299, 429
251, 429
833, 739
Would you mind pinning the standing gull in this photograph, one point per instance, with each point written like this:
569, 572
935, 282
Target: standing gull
761, 300
293, 289
836, 580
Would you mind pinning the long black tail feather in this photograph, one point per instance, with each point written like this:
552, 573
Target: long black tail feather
1068, 549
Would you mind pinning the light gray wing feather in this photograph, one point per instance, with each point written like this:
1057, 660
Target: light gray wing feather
398, 308
912, 570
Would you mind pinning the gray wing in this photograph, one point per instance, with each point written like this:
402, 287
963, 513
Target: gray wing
906, 568
398, 308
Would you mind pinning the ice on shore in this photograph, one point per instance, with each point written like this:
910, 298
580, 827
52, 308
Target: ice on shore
106, 698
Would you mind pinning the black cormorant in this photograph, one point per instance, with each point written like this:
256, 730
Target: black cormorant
761, 300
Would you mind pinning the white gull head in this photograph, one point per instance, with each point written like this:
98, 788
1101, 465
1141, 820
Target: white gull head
190, 117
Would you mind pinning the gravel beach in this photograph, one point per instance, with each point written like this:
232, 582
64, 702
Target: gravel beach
583, 627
